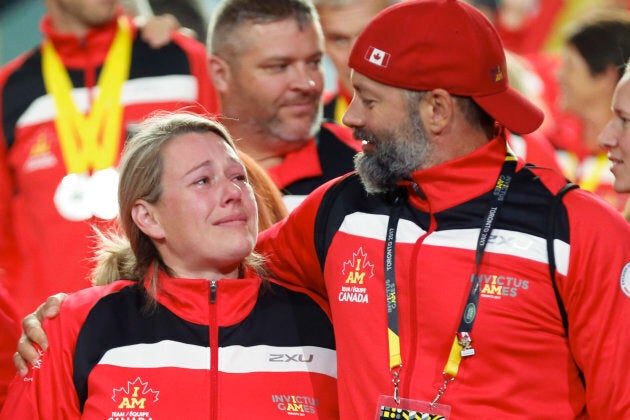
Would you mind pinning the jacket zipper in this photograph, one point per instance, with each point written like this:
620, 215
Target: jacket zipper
214, 352
414, 329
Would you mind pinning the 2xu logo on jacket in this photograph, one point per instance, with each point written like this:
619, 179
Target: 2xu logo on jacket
294, 404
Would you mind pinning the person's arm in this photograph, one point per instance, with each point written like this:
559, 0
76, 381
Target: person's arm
157, 31
47, 390
596, 295
289, 249
8, 337
33, 337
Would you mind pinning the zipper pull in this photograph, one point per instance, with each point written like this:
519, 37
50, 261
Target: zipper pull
213, 291
416, 188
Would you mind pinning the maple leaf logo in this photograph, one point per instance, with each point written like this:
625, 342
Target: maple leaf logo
497, 74
359, 262
41, 146
378, 57
135, 389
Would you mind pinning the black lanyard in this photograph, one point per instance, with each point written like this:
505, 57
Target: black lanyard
462, 343
498, 196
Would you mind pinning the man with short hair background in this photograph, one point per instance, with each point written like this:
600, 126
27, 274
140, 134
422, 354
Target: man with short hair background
265, 62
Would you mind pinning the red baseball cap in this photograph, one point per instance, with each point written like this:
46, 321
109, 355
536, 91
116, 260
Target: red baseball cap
429, 44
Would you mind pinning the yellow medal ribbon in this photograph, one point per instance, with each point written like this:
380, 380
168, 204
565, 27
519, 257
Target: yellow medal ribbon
79, 134
340, 107
591, 182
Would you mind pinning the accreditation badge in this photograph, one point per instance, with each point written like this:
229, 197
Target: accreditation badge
388, 409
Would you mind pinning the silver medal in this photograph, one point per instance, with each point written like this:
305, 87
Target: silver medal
81, 196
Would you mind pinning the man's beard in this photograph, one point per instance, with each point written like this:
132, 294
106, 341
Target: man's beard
396, 155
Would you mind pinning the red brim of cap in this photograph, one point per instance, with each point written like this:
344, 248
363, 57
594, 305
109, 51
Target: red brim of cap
513, 110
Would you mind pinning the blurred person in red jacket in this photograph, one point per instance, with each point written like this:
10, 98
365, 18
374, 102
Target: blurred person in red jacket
67, 107
9, 333
596, 49
526, 25
525, 76
342, 20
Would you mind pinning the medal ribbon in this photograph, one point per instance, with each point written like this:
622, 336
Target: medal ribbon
470, 310
591, 182
340, 107
79, 134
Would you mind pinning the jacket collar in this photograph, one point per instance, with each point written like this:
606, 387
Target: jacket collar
190, 298
460, 180
89, 50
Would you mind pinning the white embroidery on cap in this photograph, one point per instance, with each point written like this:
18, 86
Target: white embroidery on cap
378, 57
624, 282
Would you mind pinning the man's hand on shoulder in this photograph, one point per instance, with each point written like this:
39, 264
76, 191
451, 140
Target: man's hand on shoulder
33, 337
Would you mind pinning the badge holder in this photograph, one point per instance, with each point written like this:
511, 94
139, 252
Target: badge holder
406, 409
394, 407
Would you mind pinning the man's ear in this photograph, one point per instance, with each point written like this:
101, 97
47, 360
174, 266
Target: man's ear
437, 107
219, 72
147, 219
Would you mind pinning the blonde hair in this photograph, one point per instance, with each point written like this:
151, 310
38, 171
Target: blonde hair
128, 253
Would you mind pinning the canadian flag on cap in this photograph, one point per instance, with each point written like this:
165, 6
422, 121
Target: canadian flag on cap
378, 57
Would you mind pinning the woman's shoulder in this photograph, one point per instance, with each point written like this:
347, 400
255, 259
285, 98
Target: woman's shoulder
80, 302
